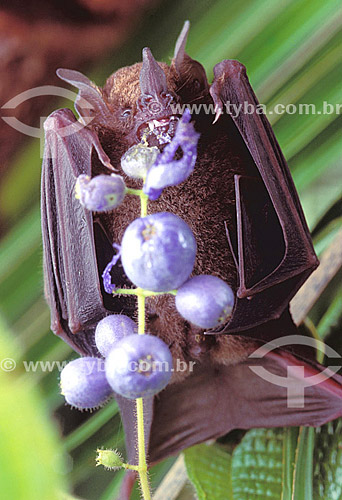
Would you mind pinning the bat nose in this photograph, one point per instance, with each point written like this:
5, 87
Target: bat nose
152, 77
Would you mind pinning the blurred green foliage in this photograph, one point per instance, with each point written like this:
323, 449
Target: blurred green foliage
31, 455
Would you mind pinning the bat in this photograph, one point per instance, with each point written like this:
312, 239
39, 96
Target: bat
244, 211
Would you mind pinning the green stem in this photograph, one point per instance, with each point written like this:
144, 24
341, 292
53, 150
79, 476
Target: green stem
126, 291
131, 467
141, 312
136, 192
140, 292
142, 467
143, 203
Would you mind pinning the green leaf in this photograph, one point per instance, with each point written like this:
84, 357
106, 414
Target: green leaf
114, 487
326, 236
289, 454
321, 194
331, 316
303, 473
91, 426
306, 76
209, 470
257, 465
328, 462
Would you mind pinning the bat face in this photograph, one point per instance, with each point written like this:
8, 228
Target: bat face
140, 100
145, 107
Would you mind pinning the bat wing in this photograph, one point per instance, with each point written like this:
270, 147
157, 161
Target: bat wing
71, 278
271, 390
270, 242
75, 252
260, 392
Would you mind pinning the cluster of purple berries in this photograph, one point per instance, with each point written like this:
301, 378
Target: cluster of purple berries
158, 254
134, 366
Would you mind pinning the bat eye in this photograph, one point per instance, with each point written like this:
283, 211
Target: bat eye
196, 84
126, 113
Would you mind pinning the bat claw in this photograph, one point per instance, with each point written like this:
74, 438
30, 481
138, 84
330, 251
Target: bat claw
218, 114
110, 166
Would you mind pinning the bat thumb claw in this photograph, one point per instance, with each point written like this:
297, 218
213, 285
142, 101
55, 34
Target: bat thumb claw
218, 114
110, 166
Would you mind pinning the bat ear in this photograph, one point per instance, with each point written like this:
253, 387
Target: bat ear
192, 78
179, 54
89, 102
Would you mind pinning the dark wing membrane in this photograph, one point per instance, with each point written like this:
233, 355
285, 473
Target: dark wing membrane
72, 287
216, 399
261, 245
104, 253
129, 420
271, 244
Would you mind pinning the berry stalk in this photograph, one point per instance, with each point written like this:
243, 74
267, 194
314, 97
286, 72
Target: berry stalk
141, 291
142, 467
143, 204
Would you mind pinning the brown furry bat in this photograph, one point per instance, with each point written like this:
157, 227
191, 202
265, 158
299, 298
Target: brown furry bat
243, 209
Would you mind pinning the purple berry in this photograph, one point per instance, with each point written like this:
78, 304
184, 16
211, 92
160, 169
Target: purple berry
101, 193
205, 301
158, 252
84, 384
139, 366
138, 160
112, 329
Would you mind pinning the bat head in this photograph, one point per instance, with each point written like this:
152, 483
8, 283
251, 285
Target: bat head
142, 102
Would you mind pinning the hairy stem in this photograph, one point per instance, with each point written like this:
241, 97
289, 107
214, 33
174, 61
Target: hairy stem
141, 312
142, 467
136, 192
143, 203
140, 292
